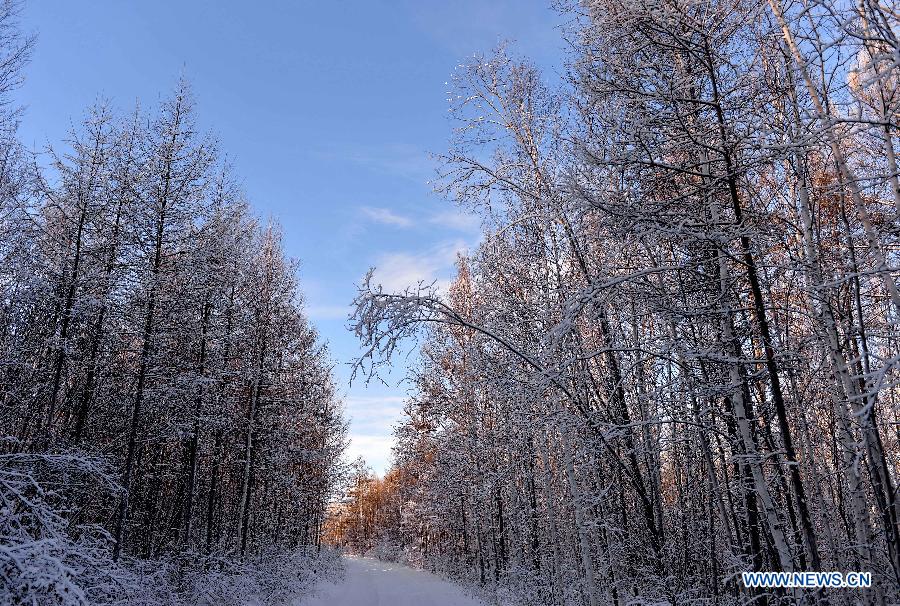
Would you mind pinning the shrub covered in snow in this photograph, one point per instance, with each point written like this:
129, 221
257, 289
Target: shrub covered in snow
274, 578
48, 558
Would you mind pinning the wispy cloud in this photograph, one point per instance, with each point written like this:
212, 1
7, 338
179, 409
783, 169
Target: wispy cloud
399, 159
467, 25
459, 221
374, 415
397, 271
328, 312
385, 216
403, 160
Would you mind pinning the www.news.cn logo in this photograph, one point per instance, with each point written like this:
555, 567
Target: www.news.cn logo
807, 580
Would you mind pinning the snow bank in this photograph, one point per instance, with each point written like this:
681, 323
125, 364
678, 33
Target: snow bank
274, 578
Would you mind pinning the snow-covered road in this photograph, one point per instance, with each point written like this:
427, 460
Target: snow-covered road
370, 582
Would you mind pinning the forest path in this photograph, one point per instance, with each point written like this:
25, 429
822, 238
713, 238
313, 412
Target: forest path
369, 582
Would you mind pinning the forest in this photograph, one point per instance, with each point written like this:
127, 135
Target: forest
673, 357
170, 431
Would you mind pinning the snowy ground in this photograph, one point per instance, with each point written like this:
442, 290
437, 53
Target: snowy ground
369, 582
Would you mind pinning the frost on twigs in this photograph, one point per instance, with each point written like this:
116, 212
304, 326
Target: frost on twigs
382, 321
45, 557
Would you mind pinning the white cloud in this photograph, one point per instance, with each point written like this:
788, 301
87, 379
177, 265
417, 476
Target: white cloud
459, 221
328, 312
372, 420
385, 216
398, 270
376, 450
374, 415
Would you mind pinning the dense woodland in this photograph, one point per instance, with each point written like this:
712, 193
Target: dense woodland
165, 406
674, 355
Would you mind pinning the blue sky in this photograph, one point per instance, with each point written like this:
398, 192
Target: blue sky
327, 109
